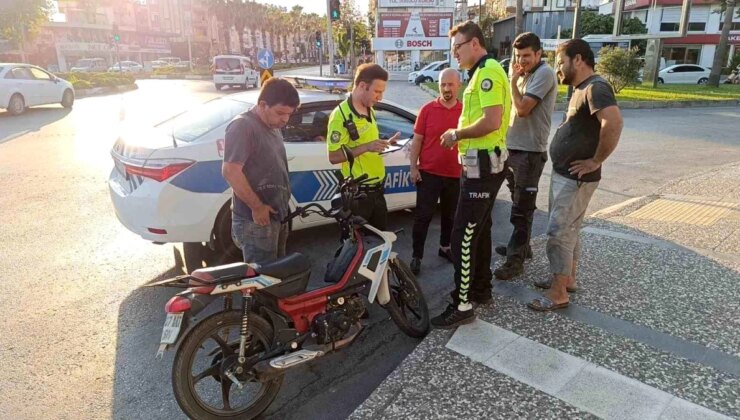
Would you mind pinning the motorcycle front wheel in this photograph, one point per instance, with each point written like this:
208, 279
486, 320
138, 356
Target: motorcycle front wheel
407, 307
198, 373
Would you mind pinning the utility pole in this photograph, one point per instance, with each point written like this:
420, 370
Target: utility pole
330, 38
574, 35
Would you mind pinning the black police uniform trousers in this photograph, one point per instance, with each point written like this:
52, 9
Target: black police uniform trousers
471, 232
373, 207
523, 171
432, 188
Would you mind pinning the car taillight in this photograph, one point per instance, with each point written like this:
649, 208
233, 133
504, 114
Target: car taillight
159, 170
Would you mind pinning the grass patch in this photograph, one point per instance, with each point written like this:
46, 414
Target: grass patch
660, 93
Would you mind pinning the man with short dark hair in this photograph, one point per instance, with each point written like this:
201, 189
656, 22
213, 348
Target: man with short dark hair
533, 92
585, 139
481, 141
256, 167
353, 124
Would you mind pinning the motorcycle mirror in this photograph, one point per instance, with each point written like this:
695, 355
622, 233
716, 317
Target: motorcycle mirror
349, 156
336, 201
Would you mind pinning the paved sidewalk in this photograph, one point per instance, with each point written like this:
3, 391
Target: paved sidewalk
653, 332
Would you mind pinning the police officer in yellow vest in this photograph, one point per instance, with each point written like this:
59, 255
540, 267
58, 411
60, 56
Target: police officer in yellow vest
353, 124
481, 142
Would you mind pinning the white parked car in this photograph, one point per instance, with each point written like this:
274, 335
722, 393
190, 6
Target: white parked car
234, 70
24, 85
126, 67
166, 184
90, 65
684, 73
430, 73
158, 64
171, 61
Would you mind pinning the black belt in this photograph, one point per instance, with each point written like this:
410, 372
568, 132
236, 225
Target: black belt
371, 189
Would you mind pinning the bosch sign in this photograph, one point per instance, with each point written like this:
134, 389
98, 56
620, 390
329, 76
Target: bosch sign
389, 44
418, 43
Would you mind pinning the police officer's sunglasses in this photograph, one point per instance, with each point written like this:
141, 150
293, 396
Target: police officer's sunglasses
455, 47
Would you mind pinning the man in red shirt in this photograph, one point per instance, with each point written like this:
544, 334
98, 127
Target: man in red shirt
434, 169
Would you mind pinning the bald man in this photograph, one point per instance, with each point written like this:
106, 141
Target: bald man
434, 169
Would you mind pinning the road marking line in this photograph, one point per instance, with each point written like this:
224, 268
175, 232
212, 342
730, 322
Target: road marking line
589, 387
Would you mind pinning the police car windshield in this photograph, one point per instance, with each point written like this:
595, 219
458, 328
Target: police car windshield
197, 122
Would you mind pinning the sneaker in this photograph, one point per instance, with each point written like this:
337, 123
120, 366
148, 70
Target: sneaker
501, 250
452, 318
508, 270
416, 266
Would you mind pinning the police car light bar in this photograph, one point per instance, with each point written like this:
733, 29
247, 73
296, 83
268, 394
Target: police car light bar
330, 84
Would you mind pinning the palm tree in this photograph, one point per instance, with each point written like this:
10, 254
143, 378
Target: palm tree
222, 9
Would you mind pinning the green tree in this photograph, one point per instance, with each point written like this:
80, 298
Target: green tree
620, 67
20, 20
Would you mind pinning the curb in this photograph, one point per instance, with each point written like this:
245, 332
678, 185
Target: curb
177, 77
429, 91
82, 93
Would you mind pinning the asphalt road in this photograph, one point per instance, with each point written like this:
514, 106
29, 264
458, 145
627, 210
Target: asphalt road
77, 333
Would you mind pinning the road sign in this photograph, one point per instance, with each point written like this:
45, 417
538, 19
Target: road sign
265, 75
265, 58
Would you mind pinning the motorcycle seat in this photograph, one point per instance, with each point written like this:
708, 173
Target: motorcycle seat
285, 267
210, 274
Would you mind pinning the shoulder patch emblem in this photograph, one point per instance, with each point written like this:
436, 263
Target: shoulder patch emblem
335, 136
486, 85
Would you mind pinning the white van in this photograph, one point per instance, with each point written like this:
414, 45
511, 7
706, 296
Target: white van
90, 65
234, 70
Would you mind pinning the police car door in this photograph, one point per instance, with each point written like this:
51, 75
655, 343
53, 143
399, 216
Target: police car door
400, 193
312, 177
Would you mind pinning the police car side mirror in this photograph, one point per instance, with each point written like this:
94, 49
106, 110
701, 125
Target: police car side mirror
349, 156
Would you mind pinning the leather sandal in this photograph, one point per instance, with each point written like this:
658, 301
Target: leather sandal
544, 304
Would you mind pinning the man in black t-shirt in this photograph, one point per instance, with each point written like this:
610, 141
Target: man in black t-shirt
585, 139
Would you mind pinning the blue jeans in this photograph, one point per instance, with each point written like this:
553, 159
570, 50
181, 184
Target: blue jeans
259, 244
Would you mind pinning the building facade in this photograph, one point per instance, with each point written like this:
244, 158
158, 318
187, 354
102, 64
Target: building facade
662, 17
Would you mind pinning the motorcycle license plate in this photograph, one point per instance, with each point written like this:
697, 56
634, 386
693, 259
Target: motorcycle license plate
171, 328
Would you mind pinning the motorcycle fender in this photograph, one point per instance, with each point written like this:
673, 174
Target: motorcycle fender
198, 303
384, 294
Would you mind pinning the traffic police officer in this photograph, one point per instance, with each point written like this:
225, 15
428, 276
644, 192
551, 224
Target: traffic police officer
353, 124
481, 142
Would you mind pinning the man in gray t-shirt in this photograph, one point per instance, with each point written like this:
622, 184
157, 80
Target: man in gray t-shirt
256, 167
534, 89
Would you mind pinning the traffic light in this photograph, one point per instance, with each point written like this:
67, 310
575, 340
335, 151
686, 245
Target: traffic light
334, 13
116, 35
318, 39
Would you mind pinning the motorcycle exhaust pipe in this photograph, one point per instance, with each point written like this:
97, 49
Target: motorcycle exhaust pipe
268, 369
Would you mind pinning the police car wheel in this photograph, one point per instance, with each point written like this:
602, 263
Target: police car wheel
223, 243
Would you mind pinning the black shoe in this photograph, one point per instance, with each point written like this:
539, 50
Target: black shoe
501, 250
452, 318
482, 299
416, 266
508, 270
446, 255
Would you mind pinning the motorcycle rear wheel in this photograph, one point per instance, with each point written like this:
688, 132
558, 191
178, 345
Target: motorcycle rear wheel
185, 382
407, 307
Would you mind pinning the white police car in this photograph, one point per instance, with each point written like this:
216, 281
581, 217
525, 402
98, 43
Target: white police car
166, 184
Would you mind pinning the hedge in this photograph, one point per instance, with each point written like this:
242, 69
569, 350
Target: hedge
92, 80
